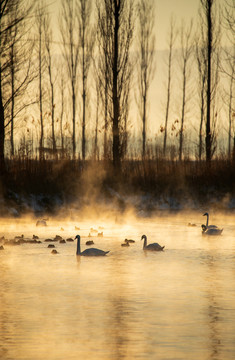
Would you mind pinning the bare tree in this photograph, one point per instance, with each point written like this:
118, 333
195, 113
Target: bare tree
145, 59
18, 73
70, 49
172, 38
228, 69
102, 68
96, 155
40, 14
86, 40
186, 51
62, 113
48, 45
9, 20
207, 7
200, 53
118, 34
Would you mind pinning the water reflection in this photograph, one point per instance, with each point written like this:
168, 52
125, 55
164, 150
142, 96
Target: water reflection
212, 291
176, 304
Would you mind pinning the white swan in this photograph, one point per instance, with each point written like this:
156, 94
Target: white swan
151, 247
210, 229
89, 252
207, 222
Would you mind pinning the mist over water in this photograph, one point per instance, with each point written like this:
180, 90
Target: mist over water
175, 304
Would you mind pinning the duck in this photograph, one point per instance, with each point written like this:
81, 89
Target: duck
51, 246
151, 247
125, 244
130, 241
88, 252
54, 251
90, 242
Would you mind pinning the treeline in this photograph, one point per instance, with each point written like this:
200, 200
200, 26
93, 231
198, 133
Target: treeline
66, 84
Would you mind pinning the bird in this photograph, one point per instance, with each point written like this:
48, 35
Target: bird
151, 247
125, 244
207, 222
129, 241
90, 251
210, 229
89, 242
54, 251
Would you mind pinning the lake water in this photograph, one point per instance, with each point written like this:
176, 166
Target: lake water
176, 304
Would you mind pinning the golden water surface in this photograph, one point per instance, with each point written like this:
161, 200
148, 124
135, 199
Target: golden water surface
175, 304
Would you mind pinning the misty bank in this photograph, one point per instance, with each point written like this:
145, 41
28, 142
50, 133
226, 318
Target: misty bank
45, 187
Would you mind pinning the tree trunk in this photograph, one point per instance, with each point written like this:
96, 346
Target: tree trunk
116, 137
209, 51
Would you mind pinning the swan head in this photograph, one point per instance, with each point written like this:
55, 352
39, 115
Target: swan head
77, 237
204, 228
206, 214
143, 237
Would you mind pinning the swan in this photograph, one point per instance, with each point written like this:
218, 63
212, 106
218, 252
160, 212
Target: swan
207, 222
151, 247
89, 252
211, 231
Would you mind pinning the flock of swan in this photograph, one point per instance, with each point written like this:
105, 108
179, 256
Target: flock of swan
206, 230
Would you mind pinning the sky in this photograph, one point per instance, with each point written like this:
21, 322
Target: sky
180, 9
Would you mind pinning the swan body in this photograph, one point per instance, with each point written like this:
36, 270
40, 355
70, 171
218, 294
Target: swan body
89, 252
151, 247
211, 231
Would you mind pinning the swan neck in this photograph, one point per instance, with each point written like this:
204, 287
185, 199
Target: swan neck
207, 220
78, 247
145, 242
